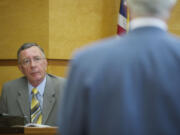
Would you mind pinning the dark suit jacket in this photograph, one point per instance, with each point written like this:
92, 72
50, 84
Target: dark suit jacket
125, 86
15, 98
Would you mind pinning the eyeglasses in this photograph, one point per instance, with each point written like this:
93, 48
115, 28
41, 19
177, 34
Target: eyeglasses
26, 61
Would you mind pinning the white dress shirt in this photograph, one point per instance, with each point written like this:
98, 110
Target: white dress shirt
148, 21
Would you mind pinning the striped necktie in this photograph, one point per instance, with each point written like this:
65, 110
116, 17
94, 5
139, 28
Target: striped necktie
36, 115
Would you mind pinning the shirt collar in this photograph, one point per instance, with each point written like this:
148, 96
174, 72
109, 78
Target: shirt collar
40, 87
149, 21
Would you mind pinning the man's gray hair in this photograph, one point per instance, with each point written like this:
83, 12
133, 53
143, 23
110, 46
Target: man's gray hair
26, 46
156, 8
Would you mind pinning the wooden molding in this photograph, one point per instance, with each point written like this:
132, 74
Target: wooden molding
13, 62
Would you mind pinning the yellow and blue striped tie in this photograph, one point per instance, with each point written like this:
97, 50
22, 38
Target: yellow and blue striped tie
36, 115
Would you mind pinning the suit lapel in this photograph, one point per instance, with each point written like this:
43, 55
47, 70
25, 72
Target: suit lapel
23, 100
48, 100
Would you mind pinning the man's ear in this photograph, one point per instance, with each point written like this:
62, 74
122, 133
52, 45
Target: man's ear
46, 62
20, 68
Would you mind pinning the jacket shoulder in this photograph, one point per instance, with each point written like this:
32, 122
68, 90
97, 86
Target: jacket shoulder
55, 79
13, 83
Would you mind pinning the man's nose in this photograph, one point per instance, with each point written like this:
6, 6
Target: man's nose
32, 63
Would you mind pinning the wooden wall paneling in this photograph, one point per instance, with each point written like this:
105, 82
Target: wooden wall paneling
58, 67
74, 23
174, 21
23, 21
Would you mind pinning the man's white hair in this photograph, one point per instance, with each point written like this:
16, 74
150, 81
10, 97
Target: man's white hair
158, 8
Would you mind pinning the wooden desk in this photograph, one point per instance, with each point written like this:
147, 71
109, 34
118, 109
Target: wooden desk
28, 131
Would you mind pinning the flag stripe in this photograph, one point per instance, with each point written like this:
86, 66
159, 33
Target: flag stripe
123, 8
122, 21
120, 30
122, 18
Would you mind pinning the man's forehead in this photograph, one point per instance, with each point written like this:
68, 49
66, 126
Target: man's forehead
32, 51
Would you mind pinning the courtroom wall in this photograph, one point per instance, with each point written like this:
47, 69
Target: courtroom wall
23, 21
74, 23
174, 21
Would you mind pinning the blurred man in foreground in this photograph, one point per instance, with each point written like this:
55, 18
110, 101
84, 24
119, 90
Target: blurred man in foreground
128, 85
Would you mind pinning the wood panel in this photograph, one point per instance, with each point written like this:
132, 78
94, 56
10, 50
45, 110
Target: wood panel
174, 21
29, 131
74, 23
58, 67
23, 21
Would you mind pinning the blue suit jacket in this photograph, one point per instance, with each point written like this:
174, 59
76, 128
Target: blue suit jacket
125, 86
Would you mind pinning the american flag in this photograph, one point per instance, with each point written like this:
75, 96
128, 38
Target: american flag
122, 18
